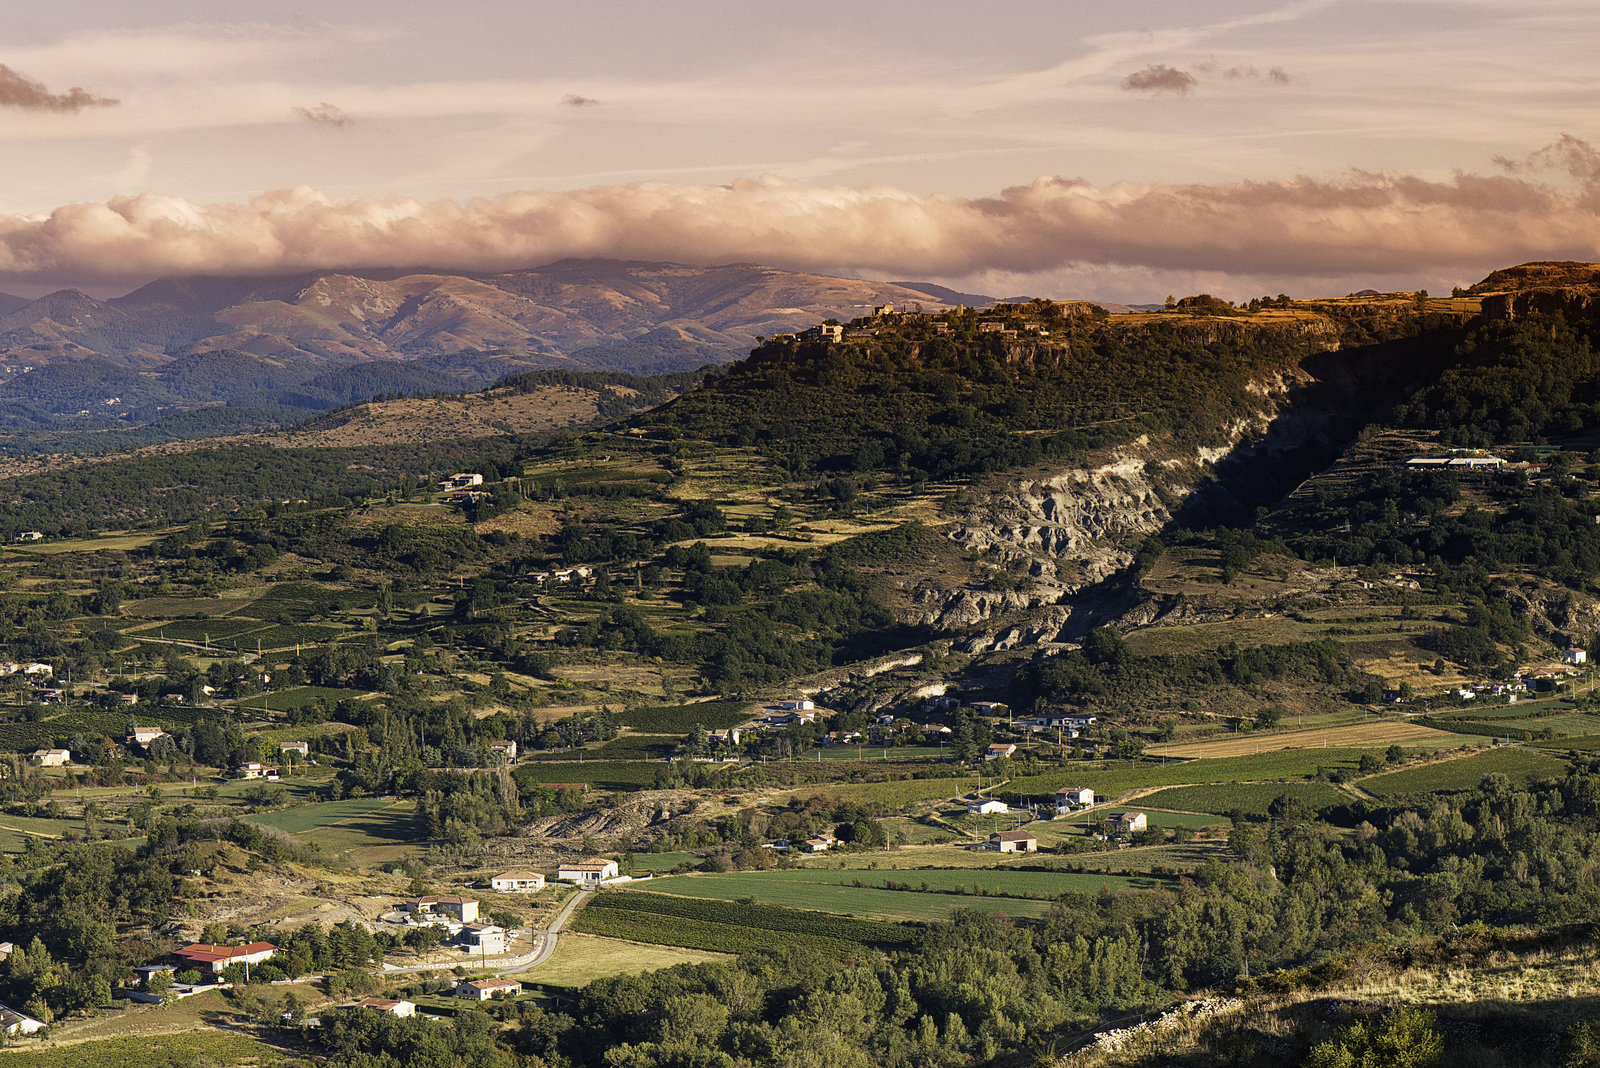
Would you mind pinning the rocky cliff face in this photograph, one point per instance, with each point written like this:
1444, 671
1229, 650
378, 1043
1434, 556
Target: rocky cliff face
1069, 531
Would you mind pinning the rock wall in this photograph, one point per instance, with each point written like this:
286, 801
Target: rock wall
1070, 530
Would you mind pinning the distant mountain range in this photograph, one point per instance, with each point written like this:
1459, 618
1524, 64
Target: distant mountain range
319, 339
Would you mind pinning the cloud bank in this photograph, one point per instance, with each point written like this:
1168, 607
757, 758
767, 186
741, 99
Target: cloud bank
1364, 224
25, 94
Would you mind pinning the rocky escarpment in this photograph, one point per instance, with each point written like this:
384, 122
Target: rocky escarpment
1054, 540
1567, 288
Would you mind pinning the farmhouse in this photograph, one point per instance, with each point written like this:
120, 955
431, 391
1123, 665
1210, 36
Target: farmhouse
1070, 797
484, 989
985, 806
987, 708
393, 1008
1129, 822
129, 699
1014, 842
590, 872
787, 719
302, 749
483, 938
13, 1022
821, 843
1575, 656
999, 751
142, 736
461, 480
253, 770
730, 736
796, 705
506, 751
215, 959
52, 758
517, 882
49, 695
464, 909
30, 535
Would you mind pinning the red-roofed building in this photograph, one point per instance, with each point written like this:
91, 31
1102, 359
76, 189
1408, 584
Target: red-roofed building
215, 959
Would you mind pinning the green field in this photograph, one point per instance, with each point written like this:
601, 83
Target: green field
1250, 798
681, 719
186, 1049
316, 817
1519, 763
580, 959
1110, 779
609, 774
922, 893
644, 863
732, 926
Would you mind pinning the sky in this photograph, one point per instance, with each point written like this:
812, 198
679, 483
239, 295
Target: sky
1118, 151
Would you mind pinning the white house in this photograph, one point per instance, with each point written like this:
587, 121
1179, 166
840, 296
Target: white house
484, 989
30, 535
999, 751
216, 959
506, 750
142, 736
52, 758
1014, 842
483, 938
1575, 656
388, 1005
517, 882
590, 872
797, 705
986, 806
821, 843
250, 769
461, 480
1071, 797
464, 909
300, 749
13, 1022
1129, 822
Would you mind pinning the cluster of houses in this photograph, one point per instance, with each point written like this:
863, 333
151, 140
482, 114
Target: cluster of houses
8, 668
563, 574
460, 480
143, 738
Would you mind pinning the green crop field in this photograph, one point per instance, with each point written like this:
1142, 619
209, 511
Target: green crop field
184, 1049
731, 926
681, 719
894, 793
848, 751
838, 890
326, 814
1520, 763
643, 863
608, 774
300, 696
1250, 798
1585, 744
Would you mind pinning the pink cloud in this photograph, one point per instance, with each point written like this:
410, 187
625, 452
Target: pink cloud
1300, 227
21, 92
